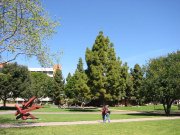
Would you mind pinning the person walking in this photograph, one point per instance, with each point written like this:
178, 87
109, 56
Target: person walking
107, 114
103, 111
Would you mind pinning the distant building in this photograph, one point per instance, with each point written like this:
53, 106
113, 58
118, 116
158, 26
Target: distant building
49, 71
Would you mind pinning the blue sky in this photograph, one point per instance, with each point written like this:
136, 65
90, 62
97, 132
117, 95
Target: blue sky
139, 29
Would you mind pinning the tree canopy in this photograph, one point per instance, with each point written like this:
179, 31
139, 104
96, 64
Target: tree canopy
163, 79
82, 91
15, 79
103, 70
41, 85
58, 92
137, 78
24, 29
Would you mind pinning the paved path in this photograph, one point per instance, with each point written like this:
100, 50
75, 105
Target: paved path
82, 122
113, 112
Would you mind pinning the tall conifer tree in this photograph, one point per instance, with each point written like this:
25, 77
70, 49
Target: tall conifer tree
103, 70
58, 91
82, 91
69, 86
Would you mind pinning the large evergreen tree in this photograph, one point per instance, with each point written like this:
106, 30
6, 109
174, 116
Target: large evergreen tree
103, 70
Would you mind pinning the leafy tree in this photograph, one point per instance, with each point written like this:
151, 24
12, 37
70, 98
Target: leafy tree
5, 87
24, 29
103, 70
58, 87
41, 85
163, 79
137, 77
15, 80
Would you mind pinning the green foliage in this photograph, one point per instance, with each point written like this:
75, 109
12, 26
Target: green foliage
68, 77
127, 84
41, 85
137, 78
15, 79
24, 29
69, 87
57, 92
82, 91
5, 88
76, 86
163, 79
103, 70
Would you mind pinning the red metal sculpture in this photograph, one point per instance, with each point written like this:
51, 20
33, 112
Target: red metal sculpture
23, 112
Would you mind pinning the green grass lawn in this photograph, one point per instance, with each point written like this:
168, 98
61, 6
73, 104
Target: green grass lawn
52, 108
55, 109
9, 118
162, 127
145, 108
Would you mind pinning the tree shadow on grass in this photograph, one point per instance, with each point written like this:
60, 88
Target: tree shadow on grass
14, 121
153, 114
7, 108
82, 110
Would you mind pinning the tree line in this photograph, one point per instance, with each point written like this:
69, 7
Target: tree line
107, 80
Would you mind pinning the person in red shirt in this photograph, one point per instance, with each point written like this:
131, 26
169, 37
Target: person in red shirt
107, 113
103, 110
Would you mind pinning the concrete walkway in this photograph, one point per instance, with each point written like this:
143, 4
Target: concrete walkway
82, 122
113, 112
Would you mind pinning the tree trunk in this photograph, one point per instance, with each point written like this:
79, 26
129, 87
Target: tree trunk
125, 101
167, 107
4, 103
